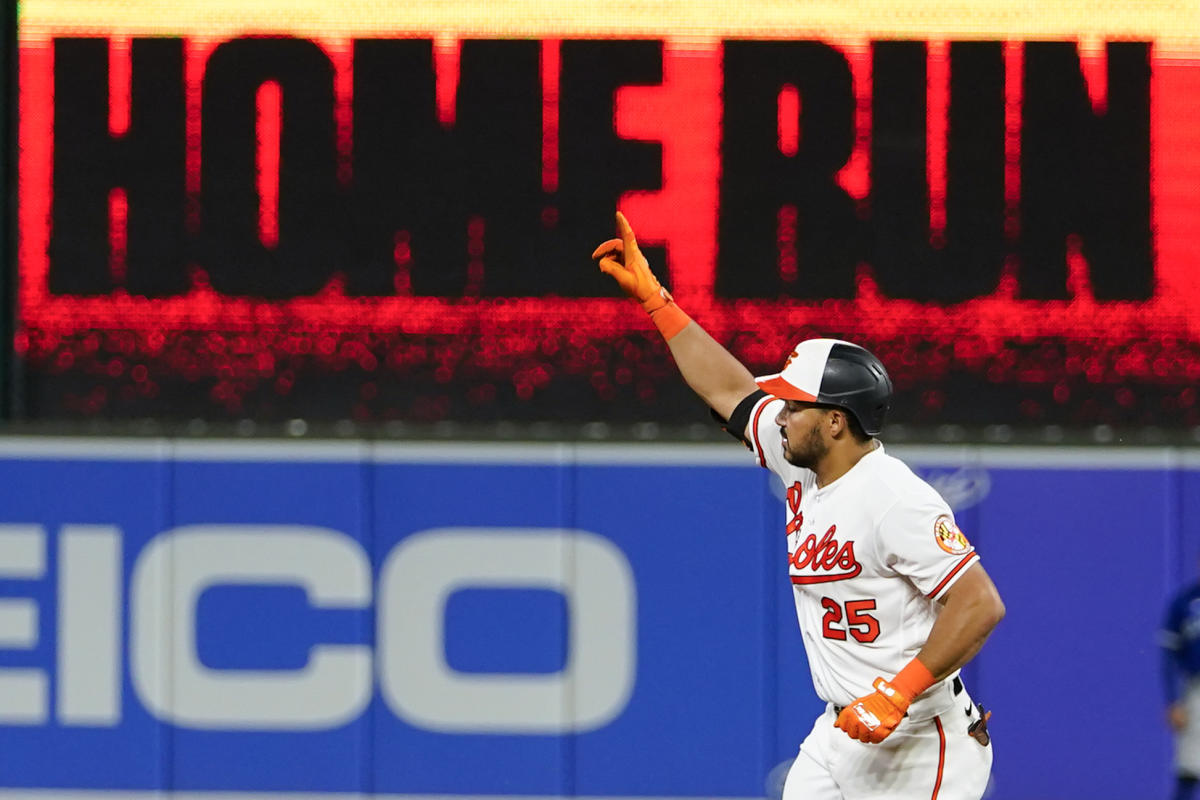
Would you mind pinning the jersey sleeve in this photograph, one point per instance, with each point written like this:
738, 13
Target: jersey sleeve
918, 538
764, 436
1170, 636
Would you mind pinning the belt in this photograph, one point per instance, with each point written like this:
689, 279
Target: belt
956, 684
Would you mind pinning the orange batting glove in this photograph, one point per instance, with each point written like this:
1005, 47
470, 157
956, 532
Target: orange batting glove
622, 259
872, 718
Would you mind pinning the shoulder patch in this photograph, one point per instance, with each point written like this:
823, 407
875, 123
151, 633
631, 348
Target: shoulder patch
949, 537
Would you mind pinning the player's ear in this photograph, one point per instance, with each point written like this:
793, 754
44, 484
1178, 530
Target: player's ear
838, 424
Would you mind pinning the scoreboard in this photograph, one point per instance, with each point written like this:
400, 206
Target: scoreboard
376, 211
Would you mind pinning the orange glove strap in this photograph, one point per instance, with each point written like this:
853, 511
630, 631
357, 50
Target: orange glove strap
669, 319
912, 680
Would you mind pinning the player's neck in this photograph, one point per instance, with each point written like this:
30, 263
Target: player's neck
840, 459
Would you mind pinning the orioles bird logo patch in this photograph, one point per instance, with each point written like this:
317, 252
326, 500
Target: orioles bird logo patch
949, 537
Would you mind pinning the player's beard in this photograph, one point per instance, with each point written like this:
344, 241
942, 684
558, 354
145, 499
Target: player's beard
808, 451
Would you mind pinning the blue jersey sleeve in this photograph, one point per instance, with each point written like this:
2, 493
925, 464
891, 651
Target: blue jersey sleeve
1180, 642
1169, 638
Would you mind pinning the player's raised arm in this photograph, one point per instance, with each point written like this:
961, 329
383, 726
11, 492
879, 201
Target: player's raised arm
709, 369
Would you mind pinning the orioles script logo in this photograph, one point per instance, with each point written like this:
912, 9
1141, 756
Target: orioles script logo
828, 560
793, 500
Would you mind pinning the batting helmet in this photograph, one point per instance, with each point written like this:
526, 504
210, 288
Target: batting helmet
835, 373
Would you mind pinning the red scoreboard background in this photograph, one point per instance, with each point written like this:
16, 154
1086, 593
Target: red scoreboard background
350, 210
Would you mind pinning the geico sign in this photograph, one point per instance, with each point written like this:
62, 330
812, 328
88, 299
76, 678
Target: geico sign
335, 686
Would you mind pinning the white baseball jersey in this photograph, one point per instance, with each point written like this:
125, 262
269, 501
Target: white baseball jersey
868, 556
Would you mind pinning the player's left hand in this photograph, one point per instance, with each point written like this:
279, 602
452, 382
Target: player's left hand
872, 718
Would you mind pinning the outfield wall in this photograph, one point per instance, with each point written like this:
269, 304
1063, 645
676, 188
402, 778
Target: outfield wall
468, 619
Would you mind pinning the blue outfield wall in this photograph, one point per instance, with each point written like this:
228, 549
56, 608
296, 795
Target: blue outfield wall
551, 620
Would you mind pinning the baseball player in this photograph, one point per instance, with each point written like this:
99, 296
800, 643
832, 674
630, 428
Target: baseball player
890, 595
1180, 639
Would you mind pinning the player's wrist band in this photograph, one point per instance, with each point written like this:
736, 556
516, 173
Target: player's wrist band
913, 679
670, 319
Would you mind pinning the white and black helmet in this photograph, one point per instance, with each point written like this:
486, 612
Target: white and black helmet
836, 373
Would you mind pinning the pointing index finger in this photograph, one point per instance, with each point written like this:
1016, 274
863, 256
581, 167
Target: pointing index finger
626, 231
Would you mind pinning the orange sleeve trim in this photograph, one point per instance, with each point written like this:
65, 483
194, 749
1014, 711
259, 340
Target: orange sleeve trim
937, 785
967, 559
670, 320
758, 448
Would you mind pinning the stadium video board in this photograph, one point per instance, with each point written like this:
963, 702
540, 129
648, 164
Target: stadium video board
386, 211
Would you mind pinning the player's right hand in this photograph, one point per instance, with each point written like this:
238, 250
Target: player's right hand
1177, 716
622, 259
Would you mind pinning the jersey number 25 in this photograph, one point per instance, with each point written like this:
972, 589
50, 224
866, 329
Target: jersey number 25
863, 627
